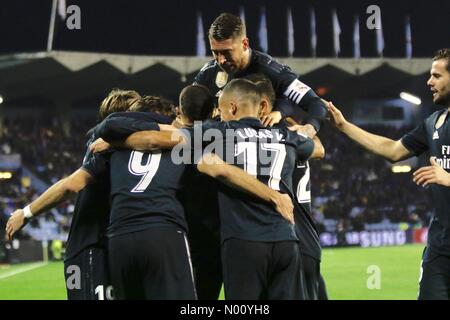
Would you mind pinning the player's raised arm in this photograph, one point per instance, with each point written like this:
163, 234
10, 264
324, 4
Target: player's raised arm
214, 166
56, 194
291, 94
391, 150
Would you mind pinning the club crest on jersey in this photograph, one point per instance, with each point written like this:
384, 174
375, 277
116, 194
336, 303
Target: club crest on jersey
221, 79
435, 135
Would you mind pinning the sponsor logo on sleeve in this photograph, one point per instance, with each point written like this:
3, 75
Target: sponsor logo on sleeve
296, 91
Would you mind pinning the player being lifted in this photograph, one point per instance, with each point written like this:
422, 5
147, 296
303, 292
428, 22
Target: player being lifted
233, 59
432, 136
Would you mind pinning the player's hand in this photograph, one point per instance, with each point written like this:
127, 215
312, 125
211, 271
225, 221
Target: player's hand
99, 145
272, 118
432, 174
283, 204
306, 130
336, 115
15, 223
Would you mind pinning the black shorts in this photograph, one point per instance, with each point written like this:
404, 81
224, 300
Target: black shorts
314, 282
87, 275
261, 270
311, 268
206, 261
152, 264
435, 276
323, 294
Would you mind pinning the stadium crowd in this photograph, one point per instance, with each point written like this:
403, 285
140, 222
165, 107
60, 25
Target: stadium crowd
49, 153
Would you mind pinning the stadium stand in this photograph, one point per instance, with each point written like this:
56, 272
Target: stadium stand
49, 154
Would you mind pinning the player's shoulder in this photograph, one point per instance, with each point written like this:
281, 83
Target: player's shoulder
202, 126
207, 74
89, 136
210, 123
268, 65
431, 119
208, 67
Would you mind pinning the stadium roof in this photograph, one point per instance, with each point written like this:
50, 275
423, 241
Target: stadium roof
74, 76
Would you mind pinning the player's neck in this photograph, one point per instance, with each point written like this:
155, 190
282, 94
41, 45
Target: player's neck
185, 122
179, 123
247, 115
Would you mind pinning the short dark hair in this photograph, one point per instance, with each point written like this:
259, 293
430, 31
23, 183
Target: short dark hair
117, 100
264, 85
196, 102
156, 104
244, 89
226, 26
443, 54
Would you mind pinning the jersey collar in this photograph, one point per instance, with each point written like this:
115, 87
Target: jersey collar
252, 121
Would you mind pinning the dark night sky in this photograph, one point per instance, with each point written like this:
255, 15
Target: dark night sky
169, 27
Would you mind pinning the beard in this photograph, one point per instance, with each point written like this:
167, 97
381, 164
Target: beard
231, 70
443, 100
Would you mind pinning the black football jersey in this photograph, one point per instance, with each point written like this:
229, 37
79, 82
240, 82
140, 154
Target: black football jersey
266, 154
425, 138
284, 81
144, 185
304, 224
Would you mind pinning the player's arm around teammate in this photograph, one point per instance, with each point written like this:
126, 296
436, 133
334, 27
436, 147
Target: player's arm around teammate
211, 165
147, 140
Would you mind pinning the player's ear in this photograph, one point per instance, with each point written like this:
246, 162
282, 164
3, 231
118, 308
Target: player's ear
234, 108
245, 43
264, 107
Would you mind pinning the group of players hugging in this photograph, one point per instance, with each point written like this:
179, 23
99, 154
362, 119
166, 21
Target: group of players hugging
172, 202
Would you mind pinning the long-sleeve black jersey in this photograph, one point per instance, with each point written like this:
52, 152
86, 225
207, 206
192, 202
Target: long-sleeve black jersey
284, 81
